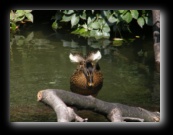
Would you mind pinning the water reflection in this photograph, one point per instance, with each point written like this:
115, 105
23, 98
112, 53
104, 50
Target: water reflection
39, 62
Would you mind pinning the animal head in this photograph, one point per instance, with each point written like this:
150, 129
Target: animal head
88, 65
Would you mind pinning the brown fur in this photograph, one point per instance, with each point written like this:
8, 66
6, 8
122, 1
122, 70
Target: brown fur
79, 84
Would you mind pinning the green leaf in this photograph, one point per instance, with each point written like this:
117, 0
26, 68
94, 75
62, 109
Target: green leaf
74, 20
55, 25
140, 21
95, 33
83, 16
112, 19
18, 19
121, 11
20, 13
107, 13
106, 28
12, 26
88, 20
66, 18
127, 17
79, 31
27, 11
134, 14
29, 16
95, 25
12, 16
106, 34
85, 26
69, 12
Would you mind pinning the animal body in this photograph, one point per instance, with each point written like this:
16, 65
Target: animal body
87, 78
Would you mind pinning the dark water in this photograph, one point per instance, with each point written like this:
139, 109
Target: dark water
39, 61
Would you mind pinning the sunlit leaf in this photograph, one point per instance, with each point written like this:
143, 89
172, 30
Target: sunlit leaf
106, 28
107, 13
66, 18
83, 16
69, 11
127, 17
55, 25
79, 31
112, 19
98, 33
29, 16
86, 34
106, 34
121, 11
20, 13
134, 14
89, 20
12, 26
95, 33
18, 19
74, 20
12, 15
95, 25
140, 21
27, 11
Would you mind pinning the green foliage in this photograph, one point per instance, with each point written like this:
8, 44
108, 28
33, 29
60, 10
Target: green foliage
98, 23
19, 16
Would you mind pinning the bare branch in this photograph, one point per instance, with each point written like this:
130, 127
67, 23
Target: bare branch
115, 112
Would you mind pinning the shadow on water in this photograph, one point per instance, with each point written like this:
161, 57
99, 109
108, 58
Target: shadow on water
38, 61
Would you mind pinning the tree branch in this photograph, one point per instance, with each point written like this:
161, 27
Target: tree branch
115, 112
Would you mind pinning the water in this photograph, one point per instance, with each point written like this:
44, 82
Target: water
39, 61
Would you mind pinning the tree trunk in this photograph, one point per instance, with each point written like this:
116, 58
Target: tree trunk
115, 112
156, 37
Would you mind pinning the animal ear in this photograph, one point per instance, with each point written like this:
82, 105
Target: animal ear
75, 58
94, 56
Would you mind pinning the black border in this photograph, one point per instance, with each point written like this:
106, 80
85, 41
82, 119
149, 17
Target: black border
165, 14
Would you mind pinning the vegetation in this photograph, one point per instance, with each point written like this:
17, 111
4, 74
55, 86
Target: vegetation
88, 23
19, 16
100, 23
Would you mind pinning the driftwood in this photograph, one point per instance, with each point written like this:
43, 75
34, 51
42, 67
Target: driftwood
62, 101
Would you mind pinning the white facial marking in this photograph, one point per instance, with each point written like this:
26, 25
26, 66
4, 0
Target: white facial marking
75, 58
97, 56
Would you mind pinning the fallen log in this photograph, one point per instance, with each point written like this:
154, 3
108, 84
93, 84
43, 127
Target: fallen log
62, 101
